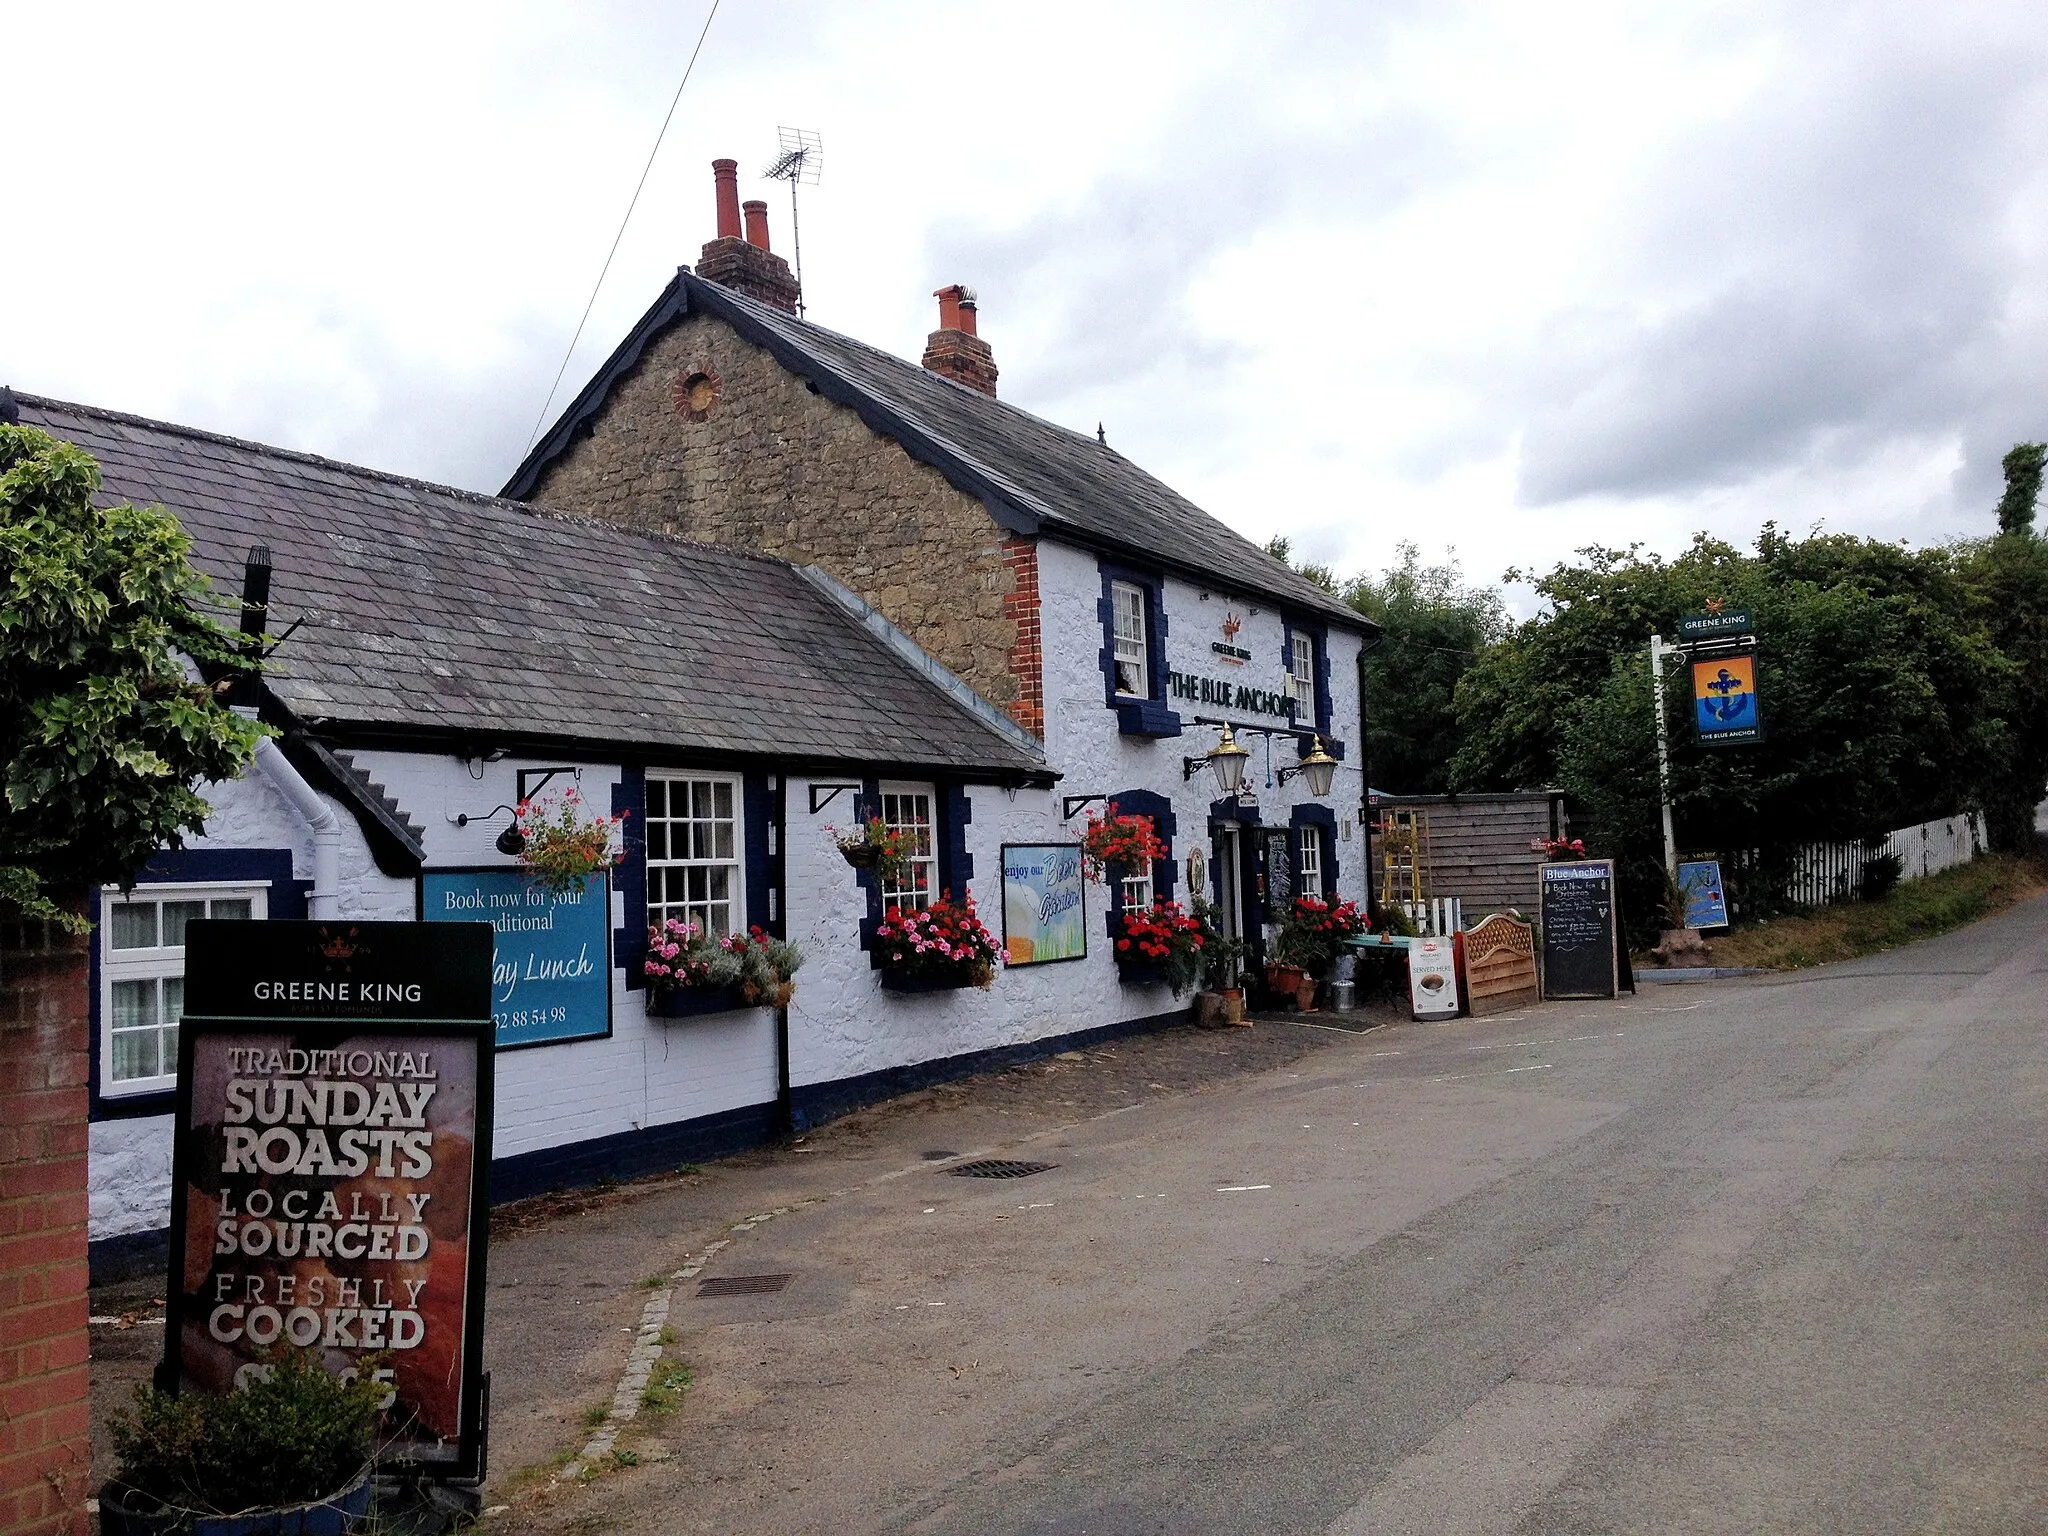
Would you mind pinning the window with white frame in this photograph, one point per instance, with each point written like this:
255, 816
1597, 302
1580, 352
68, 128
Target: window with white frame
693, 852
1133, 667
1301, 675
1308, 869
142, 976
909, 811
1137, 889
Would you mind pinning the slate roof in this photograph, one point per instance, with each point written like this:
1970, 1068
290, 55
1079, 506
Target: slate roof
429, 610
1035, 477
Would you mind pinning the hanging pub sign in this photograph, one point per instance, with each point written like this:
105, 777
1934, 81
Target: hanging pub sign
332, 1145
551, 978
1581, 938
1724, 702
1717, 625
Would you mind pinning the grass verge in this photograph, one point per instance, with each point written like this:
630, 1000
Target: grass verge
1915, 909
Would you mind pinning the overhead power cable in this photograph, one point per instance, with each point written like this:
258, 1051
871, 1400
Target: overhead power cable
541, 420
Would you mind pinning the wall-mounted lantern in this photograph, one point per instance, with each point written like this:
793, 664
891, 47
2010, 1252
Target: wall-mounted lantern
1226, 759
1318, 765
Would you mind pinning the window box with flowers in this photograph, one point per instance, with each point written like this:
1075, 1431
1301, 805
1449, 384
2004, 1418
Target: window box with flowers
1558, 850
1160, 945
689, 973
935, 948
562, 844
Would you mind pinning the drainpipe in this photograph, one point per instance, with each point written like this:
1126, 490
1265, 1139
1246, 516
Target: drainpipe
319, 816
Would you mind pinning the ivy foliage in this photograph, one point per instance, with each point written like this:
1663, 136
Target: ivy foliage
111, 681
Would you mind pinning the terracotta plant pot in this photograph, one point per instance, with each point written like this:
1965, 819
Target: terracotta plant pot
1219, 1010
1305, 994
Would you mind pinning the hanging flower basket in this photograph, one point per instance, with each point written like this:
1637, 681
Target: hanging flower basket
564, 844
1558, 850
875, 845
1127, 844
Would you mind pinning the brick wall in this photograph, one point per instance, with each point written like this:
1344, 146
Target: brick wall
44, 1439
1027, 654
774, 467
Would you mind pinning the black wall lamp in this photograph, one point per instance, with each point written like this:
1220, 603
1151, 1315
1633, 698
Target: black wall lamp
512, 842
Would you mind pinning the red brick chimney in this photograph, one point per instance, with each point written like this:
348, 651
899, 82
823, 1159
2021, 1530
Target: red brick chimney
954, 349
744, 263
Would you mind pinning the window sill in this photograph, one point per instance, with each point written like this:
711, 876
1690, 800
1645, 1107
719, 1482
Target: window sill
135, 1104
1145, 717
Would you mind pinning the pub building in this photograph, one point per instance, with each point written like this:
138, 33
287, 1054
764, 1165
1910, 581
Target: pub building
758, 581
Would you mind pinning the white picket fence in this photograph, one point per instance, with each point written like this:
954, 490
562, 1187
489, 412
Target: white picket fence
1826, 873
1437, 917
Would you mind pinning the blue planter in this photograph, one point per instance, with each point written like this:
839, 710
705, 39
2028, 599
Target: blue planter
1141, 973
335, 1515
688, 1002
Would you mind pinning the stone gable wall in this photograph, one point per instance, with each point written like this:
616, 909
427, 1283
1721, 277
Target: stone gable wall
773, 467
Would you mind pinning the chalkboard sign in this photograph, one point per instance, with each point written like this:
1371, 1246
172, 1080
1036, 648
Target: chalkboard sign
1580, 942
1279, 875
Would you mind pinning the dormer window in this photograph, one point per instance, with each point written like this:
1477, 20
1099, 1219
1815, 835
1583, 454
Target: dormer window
1133, 675
1301, 676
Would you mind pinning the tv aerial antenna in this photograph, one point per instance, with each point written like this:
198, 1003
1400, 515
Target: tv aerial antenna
802, 158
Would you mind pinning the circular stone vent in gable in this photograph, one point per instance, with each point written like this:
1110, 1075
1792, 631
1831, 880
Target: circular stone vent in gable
999, 1168
697, 391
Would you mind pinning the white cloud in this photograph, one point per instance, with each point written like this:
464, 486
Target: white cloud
1509, 278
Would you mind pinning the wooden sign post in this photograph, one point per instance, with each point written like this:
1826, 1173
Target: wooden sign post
333, 1139
1581, 941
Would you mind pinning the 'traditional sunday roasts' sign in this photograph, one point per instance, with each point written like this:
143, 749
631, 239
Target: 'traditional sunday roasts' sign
332, 1142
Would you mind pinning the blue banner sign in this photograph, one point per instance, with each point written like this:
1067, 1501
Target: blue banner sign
551, 973
1699, 883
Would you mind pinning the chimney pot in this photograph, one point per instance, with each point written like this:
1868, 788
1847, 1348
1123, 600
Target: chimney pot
725, 174
955, 349
757, 223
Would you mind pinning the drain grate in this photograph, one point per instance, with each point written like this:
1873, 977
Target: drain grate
742, 1285
998, 1168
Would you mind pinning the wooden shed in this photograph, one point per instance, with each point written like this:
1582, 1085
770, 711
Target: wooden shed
1471, 847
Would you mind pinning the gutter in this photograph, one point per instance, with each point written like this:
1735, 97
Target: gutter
320, 817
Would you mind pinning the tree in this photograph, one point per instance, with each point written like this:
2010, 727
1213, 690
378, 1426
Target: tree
111, 681
2022, 487
1433, 627
1882, 698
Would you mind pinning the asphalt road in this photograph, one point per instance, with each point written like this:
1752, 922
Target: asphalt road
1745, 1256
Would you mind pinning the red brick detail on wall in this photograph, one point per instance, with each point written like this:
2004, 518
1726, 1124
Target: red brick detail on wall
45, 1452
1027, 655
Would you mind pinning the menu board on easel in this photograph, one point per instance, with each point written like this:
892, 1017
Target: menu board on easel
1581, 946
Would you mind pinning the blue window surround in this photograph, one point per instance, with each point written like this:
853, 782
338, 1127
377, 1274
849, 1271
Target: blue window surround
1143, 802
1319, 636
271, 867
629, 942
951, 812
1137, 717
757, 865
1316, 820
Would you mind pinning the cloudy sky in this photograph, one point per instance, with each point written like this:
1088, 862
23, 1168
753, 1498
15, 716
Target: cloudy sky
1504, 278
